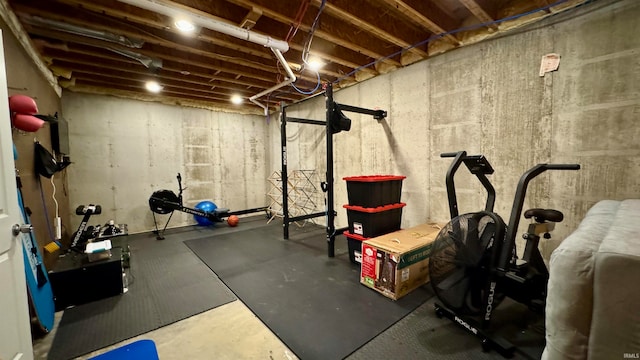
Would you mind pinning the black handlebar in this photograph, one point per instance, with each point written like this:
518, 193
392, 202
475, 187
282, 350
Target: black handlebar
450, 154
518, 202
89, 209
562, 166
478, 166
451, 188
180, 188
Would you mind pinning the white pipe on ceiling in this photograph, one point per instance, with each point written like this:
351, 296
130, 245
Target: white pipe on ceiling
205, 20
173, 10
288, 80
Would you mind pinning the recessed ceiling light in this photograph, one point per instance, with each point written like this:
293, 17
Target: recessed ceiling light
185, 72
185, 26
153, 86
315, 64
236, 99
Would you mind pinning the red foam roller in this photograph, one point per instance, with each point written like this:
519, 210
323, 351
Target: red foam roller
22, 104
27, 122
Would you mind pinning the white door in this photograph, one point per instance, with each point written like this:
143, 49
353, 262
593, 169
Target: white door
15, 331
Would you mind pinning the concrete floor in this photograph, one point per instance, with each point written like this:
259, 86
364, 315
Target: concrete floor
230, 331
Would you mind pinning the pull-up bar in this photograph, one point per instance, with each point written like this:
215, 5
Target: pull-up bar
334, 123
307, 121
377, 114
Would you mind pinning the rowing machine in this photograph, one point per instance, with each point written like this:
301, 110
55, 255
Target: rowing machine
166, 202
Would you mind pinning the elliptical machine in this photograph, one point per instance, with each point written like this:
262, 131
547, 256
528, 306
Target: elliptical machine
474, 263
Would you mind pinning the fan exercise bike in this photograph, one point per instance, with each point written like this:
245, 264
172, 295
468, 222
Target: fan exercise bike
474, 263
166, 202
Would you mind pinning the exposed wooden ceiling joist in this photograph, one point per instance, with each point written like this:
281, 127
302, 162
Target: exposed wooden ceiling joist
416, 12
331, 30
480, 12
357, 40
377, 23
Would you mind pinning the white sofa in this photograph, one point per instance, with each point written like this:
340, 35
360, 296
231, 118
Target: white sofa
593, 299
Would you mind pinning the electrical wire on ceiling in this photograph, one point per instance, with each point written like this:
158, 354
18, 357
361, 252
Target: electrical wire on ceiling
307, 47
314, 26
440, 35
311, 91
302, 10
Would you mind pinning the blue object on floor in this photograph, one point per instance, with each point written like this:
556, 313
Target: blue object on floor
207, 207
138, 350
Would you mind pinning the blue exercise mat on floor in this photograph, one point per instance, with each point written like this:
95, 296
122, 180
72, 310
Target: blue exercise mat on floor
314, 304
137, 350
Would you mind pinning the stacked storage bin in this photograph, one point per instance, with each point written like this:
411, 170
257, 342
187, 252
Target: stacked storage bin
374, 209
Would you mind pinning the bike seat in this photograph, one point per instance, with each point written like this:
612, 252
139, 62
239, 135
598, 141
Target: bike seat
544, 215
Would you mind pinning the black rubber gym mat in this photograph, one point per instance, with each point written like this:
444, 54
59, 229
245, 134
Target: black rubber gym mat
422, 335
167, 283
313, 303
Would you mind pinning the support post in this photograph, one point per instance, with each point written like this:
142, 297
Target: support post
331, 236
283, 175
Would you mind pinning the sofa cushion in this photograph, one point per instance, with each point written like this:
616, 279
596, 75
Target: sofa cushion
570, 289
615, 325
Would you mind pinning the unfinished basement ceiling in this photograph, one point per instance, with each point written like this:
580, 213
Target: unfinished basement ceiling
113, 47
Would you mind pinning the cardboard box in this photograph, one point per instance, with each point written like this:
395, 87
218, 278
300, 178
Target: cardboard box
394, 264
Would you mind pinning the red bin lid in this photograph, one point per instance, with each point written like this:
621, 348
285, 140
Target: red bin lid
375, 209
354, 236
374, 178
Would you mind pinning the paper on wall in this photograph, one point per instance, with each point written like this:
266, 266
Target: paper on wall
550, 62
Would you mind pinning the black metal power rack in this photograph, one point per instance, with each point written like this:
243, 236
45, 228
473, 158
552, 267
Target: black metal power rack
332, 110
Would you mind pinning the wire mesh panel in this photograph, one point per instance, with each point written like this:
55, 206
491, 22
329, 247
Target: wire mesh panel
304, 195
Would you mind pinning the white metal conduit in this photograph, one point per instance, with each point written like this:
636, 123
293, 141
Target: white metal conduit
177, 11
290, 78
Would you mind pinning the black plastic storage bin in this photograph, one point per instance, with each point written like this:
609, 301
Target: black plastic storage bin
354, 243
372, 222
374, 190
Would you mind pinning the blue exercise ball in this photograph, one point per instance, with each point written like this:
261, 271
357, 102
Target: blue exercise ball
208, 207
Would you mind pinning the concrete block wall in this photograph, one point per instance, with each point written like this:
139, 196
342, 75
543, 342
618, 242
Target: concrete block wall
595, 108
489, 99
124, 150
